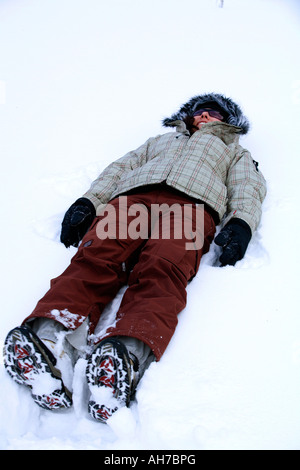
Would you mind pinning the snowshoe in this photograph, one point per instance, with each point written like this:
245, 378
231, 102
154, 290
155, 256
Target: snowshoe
112, 376
29, 362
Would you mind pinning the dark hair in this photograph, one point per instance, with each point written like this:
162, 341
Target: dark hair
189, 122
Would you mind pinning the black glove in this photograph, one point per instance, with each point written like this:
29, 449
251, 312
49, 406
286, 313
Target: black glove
234, 239
77, 221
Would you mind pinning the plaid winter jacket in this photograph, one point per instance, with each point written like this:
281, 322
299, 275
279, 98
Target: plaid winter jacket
208, 165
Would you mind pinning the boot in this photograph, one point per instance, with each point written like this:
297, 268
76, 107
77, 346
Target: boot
112, 375
31, 363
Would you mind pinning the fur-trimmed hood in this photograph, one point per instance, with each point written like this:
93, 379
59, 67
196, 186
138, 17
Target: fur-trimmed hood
234, 114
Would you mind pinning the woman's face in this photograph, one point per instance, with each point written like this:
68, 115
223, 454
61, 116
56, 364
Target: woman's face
205, 117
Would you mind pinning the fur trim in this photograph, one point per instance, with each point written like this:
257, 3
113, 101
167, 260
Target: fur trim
234, 113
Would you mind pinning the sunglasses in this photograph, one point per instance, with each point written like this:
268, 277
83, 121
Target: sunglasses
211, 112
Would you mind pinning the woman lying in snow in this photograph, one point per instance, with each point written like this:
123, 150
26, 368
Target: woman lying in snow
144, 223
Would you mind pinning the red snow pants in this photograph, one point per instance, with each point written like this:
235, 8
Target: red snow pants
142, 252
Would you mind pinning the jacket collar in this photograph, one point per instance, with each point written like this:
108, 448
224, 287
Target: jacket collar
226, 132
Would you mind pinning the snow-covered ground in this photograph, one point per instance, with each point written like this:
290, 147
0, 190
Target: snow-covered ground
81, 83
